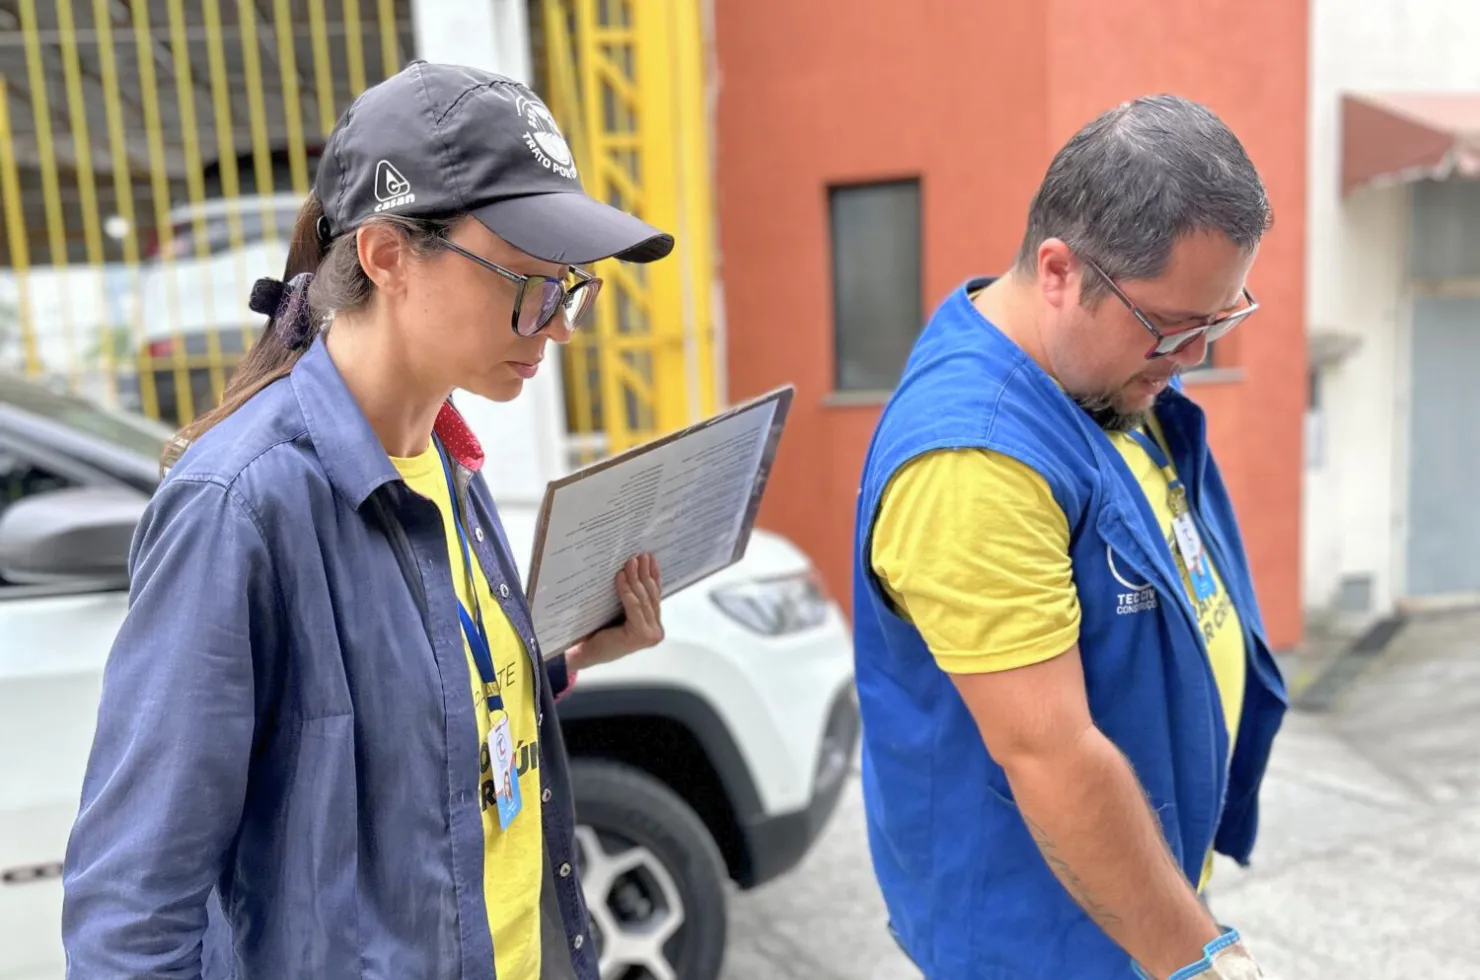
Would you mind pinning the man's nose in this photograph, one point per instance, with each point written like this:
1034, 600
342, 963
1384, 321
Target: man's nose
1193, 354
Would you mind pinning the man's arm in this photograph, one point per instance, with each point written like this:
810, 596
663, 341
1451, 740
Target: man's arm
1087, 811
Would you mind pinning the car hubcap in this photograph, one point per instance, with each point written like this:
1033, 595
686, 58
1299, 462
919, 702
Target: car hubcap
635, 907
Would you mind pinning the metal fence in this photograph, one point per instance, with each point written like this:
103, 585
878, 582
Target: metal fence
625, 78
153, 154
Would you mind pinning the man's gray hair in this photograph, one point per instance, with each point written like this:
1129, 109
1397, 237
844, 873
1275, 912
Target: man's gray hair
1131, 183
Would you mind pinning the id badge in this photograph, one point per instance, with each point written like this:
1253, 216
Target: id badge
505, 773
1189, 542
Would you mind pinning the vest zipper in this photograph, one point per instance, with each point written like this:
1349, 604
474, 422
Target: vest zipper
1178, 591
1220, 720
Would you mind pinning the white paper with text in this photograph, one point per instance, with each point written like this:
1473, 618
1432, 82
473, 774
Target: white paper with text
689, 500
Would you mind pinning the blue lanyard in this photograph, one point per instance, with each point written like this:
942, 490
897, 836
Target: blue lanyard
472, 623
1177, 492
1153, 448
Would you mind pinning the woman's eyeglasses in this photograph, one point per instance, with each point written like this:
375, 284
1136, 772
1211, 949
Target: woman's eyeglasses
1170, 343
539, 298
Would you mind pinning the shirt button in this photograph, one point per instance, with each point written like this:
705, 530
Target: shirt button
478, 533
565, 870
578, 942
545, 796
503, 590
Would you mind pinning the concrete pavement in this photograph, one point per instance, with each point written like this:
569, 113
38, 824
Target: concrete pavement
1369, 857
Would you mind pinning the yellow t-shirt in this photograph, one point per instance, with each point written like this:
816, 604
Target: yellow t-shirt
971, 547
513, 859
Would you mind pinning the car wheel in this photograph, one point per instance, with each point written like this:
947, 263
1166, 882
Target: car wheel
652, 876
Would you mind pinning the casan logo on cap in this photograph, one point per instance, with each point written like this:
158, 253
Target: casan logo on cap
391, 189
544, 140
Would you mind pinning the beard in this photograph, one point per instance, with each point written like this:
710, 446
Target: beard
1106, 410
1103, 412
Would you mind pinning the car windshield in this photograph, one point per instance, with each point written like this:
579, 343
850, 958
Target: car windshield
132, 433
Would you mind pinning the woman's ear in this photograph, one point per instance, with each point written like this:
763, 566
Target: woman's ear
384, 255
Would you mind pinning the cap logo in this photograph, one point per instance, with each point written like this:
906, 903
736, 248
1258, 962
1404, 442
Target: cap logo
391, 189
544, 140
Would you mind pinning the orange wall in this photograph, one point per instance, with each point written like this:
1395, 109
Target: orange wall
975, 103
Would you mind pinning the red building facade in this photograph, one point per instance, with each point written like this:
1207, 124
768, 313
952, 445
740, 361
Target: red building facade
963, 104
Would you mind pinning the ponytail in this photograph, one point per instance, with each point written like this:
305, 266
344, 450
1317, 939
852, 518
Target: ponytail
274, 353
322, 278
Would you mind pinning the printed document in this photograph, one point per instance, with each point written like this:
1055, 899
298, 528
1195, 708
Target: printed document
689, 498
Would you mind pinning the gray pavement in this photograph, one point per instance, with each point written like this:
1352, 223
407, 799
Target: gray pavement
1369, 857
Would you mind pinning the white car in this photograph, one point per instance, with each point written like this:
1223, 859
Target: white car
718, 755
194, 293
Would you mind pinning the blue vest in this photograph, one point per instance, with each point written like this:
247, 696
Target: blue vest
968, 893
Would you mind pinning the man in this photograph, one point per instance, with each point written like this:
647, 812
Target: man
1067, 697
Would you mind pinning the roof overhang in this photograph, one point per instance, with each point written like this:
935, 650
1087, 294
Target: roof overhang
1397, 138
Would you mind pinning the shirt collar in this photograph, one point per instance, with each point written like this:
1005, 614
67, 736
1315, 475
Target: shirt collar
354, 460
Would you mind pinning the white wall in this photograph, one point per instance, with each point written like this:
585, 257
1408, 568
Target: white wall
524, 440
1355, 496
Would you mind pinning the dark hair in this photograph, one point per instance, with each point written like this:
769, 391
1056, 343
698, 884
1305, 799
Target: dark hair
339, 285
1132, 182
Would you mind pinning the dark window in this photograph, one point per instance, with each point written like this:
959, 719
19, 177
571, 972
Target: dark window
877, 309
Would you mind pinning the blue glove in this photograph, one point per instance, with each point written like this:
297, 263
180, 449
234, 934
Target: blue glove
1225, 958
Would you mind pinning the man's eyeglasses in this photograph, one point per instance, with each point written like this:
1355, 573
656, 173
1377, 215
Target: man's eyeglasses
539, 298
1170, 343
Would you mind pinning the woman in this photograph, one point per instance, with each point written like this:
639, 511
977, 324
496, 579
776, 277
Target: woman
326, 715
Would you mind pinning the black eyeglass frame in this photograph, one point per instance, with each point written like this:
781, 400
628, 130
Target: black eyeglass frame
585, 281
1178, 340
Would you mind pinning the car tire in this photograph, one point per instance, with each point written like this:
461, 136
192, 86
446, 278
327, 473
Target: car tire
653, 878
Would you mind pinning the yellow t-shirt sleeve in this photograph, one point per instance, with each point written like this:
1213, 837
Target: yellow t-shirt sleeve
971, 547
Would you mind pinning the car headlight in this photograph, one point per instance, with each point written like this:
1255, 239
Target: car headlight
775, 606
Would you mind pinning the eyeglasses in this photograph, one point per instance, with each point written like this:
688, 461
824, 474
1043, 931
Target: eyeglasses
539, 298
1170, 343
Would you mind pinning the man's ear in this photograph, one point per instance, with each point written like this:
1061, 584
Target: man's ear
1059, 271
384, 255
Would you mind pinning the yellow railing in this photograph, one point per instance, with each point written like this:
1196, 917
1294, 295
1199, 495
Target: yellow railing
152, 153
136, 123
625, 79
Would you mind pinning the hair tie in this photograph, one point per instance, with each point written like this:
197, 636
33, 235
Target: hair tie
266, 295
287, 304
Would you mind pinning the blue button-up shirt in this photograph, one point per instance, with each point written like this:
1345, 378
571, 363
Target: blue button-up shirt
284, 779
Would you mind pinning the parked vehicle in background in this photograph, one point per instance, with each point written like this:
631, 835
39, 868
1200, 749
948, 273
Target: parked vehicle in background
193, 294
716, 757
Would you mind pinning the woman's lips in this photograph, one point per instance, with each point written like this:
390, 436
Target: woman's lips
525, 369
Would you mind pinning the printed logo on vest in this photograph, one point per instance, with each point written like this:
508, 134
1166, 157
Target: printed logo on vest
1138, 596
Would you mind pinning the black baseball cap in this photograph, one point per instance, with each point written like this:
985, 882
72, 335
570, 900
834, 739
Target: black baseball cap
437, 140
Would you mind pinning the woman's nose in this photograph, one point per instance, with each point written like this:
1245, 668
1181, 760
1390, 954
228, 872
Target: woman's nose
559, 328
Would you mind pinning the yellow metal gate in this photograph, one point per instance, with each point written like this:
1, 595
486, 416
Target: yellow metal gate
626, 80
153, 153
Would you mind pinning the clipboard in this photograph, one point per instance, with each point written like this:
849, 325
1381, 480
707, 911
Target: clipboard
690, 497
